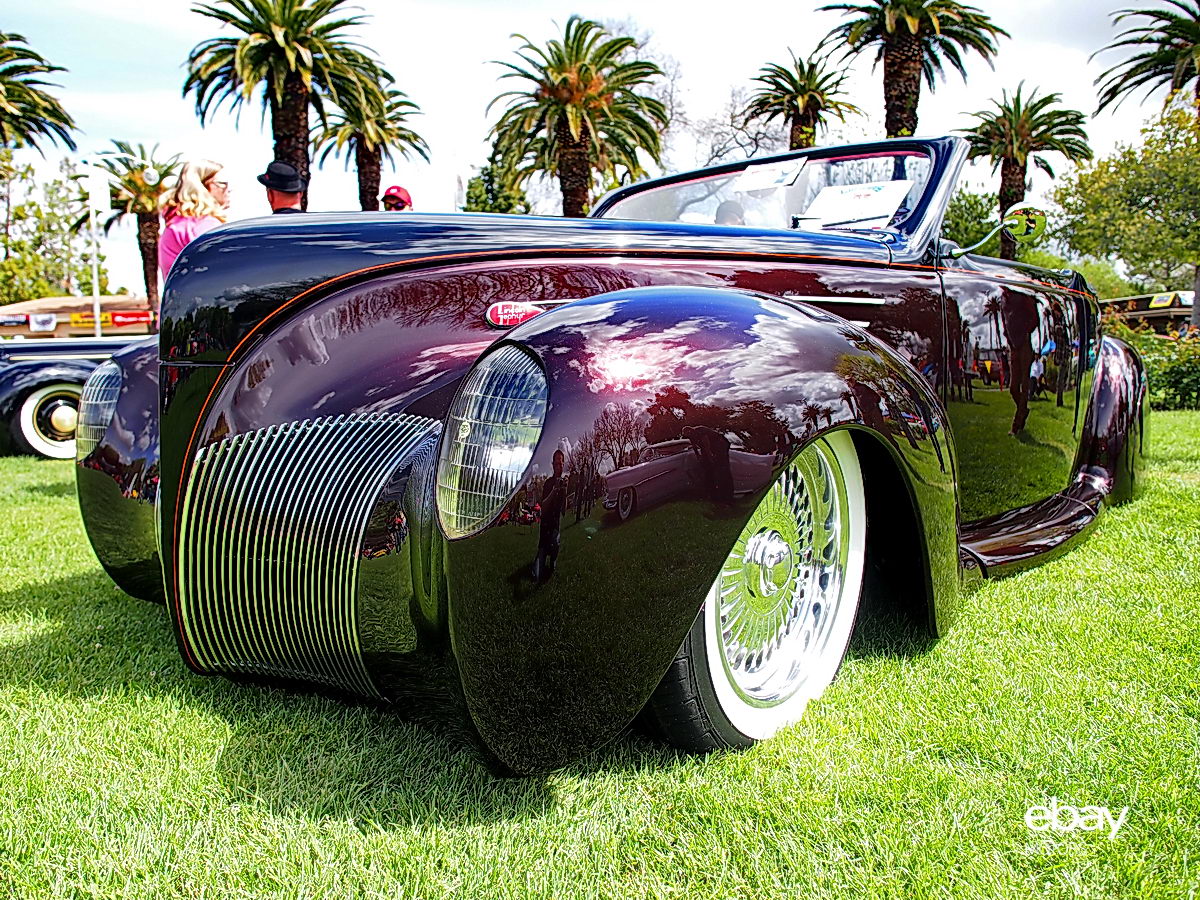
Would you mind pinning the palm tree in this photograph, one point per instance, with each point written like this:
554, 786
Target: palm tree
1021, 128
29, 114
914, 39
1170, 52
136, 184
297, 51
803, 95
580, 111
371, 133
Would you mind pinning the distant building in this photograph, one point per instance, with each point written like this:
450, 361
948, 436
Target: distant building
73, 317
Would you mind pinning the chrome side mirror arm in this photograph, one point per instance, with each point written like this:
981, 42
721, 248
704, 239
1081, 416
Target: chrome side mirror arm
1023, 224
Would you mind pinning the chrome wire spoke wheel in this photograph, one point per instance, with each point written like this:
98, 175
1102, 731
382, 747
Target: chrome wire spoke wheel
779, 615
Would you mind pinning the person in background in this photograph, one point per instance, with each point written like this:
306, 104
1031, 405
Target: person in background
197, 203
396, 199
730, 212
285, 187
554, 497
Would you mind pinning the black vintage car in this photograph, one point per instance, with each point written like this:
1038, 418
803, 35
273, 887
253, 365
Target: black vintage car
40, 383
389, 439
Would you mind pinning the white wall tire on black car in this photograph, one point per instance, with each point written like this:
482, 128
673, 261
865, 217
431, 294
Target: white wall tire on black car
46, 420
775, 624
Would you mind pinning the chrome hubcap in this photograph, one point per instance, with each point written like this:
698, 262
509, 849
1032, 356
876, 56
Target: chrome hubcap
781, 586
64, 418
56, 416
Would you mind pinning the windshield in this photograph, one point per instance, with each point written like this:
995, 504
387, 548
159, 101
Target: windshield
861, 191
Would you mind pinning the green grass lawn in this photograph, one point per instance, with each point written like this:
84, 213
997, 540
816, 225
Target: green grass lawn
123, 775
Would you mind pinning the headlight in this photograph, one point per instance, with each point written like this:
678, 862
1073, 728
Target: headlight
489, 439
96, 407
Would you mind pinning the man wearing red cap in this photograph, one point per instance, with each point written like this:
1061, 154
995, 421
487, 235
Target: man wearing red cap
396, 199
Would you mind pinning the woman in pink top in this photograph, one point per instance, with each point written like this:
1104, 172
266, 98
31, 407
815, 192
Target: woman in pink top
195, 205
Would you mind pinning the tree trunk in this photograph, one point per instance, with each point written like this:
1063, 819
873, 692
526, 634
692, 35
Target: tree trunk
1012, 192
147, 235
289, 127
803, 132
7, 216
901, 84
1196, 299
574, 171
370, 165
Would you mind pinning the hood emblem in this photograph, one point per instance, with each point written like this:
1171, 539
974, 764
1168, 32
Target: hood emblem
509, 313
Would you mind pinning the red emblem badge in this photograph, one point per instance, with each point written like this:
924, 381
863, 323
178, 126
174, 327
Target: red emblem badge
508, 313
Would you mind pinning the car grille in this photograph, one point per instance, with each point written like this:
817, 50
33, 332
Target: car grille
271, 535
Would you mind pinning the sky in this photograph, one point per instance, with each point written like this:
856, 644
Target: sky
125, 61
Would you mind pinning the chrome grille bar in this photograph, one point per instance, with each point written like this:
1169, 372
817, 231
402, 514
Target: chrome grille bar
271, 527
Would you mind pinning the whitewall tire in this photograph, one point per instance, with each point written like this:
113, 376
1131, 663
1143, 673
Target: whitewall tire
777, 620
46, 420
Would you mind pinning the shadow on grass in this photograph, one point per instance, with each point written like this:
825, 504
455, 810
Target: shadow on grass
53, 489
886, 633
290, 749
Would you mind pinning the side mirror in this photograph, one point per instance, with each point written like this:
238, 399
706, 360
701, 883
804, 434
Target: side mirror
1023, 224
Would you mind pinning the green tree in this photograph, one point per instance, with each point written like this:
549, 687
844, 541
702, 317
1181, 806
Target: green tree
44, 255
134, 191
1141, 203
297, 52
1017, 131
914, 39
28, 113
803, 95
370, 134
969, 218
1101, 275
580, 112
494, 189
1168, 44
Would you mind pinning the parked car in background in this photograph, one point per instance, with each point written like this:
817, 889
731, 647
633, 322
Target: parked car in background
455, 390
675, 468
40, 384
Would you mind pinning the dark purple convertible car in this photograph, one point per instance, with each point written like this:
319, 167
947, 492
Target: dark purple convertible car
370, 441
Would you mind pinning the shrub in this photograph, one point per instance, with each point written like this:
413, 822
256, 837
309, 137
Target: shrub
1172, 364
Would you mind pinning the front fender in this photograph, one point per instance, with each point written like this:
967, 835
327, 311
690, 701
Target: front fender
552, 669
19, 378
117, 482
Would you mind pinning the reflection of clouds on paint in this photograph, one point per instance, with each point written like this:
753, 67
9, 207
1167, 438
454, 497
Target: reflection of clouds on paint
431, 364
572, 315
325, 398
612, 359
433, 359
752, 371
303, 343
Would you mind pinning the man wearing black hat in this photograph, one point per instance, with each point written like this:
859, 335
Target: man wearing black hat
285, 187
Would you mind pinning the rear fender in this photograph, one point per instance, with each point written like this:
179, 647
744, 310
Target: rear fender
552, 669
1112, 451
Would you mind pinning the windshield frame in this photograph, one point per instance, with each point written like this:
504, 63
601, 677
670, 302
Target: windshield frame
913, 235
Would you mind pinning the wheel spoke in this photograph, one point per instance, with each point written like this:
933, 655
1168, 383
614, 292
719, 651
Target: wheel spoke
777, 590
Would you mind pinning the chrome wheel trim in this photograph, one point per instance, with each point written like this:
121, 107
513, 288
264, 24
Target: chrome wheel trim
780, 613
48, 417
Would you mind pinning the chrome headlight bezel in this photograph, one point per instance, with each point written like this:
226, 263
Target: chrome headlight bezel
491, 434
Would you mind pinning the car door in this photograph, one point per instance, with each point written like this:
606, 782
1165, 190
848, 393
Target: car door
1014, 393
